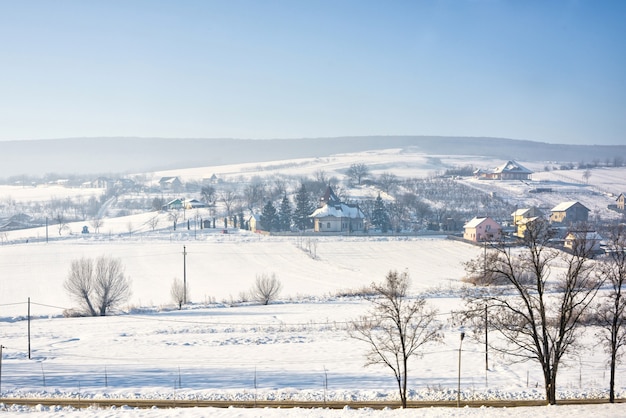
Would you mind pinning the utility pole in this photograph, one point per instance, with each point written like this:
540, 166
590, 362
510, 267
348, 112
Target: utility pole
458, 392
29, 328
184, 275
486, 340
46, 229
1, 347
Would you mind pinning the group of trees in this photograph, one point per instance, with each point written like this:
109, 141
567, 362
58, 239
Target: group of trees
284, 203
100, 286
539, 313
283, 219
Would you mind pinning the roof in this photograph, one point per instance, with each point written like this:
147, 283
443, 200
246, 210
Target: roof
340, 210
330, 197
562, 207
477, 221
525, 221
168, 179
512, 167
586, 235
521, 212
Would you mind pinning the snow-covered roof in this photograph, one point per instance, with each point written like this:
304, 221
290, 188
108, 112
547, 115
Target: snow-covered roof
525, 221
512, 167
476, 221
563, 206
521, 212
168, 179
340, 210
586, 235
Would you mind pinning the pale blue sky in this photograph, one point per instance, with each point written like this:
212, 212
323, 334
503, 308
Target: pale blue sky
552, 71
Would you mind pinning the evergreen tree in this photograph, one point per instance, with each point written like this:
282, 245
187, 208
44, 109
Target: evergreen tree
303, 209
269, 217
380, 216
284, 217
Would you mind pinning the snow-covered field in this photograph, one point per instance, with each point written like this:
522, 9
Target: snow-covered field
219, 348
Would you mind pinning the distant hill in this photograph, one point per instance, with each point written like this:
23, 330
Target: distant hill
120, 155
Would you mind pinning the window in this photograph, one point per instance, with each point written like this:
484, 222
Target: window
328, 225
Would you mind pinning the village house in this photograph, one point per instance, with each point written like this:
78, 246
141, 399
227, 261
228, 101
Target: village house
254, 223
568, 213
193, 204
482, 229
173, 205
522, 218
335, 216
621, 202
210, 180
510, 170
170, 184
590, 239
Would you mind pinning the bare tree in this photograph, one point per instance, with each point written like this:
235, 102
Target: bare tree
586, 175
230, 199
153, 222
97, 223
612, 310
388, 182
357, 172
61, 221
208, 194
174, 216
396, 328
278, 187
539, 315
266, 288
321, 176
98, 286
179, 293
79, 284
254, 193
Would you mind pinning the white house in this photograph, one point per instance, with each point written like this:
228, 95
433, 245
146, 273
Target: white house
336, 216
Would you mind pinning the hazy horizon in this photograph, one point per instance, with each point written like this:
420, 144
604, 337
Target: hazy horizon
94, 137
541, 71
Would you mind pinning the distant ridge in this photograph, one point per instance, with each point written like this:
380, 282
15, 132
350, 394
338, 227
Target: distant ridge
123, 155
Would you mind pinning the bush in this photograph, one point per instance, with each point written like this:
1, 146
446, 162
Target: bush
266, 288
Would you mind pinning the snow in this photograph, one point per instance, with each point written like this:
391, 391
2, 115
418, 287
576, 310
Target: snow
577, 411
224, 347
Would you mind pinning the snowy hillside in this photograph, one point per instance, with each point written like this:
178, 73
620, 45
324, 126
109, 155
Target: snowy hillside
222, 346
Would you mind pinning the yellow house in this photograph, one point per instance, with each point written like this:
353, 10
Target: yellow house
521, 219
568, 213
621, 202
590, 239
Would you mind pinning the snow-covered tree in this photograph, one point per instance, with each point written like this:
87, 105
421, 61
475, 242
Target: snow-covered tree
380, 216
284, 214
303, 209
269, 217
